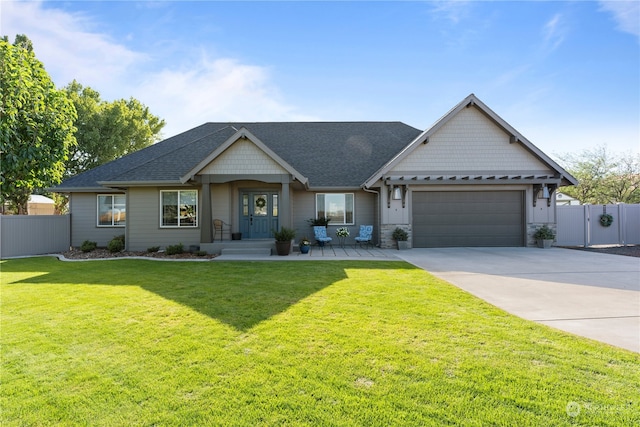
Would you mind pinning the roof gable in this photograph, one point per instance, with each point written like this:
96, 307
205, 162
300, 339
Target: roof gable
527, 154
453, 148
243, 153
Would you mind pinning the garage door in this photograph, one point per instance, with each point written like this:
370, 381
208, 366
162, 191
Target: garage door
468, 218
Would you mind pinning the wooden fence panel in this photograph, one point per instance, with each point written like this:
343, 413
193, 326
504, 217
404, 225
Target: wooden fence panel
22, 235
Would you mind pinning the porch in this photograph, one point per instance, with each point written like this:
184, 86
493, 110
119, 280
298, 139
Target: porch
265, 248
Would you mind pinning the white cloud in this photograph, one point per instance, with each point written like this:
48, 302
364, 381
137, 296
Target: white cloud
66, 44
453, 10
188, 94
626, 14
553, 32
213, 90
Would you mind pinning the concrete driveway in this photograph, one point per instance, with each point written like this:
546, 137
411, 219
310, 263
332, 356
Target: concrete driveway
589, 294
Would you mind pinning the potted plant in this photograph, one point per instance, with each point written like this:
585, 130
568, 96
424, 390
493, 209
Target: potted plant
283, 240
401, 236
544, 237
321, 220
304, 245
342, 233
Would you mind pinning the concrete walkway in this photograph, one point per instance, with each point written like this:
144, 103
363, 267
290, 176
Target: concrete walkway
331, 253
588, 294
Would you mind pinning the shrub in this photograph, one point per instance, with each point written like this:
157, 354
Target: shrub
115, 245
201, 253
153, 249
174, 249
88, 246
400, 235
284, 235
544, 233
120, 237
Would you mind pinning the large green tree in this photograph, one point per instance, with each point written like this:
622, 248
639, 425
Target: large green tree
36, 125
108, 130
604, 177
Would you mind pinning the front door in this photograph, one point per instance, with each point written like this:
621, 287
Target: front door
258, 214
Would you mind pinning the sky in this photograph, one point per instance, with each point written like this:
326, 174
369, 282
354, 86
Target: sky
566, 75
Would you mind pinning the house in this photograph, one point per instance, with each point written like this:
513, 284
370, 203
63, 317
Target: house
37, 205
469, 180
566, 200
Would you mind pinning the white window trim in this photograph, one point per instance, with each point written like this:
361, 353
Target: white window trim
113, 196
333, 221
197, 224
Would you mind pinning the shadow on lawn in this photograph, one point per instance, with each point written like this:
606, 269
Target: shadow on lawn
240, 294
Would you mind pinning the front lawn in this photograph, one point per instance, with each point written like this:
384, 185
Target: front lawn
318, 343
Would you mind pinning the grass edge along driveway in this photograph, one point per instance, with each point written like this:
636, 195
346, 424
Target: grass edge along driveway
133, 342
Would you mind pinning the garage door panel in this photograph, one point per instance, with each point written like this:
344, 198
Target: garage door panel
468, 218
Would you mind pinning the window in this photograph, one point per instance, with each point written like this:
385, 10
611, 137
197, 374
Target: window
338, 207
112, 210
179, 208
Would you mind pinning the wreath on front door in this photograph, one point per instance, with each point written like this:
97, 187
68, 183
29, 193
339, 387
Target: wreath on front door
261, 202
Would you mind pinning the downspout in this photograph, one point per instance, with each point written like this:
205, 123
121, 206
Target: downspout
377, 193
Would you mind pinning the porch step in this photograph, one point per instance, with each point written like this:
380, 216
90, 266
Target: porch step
246, 251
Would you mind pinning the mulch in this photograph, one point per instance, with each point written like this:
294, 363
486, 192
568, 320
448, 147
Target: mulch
631, 250
104, 253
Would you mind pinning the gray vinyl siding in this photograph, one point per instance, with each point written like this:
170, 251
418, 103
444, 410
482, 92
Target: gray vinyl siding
143, 222
84, 208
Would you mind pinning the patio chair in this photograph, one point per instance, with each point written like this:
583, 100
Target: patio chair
320, 234
219, 226
365, 236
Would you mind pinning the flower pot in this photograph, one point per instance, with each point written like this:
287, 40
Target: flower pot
544, 243
304, 249
283, 248
402, 245
236, 236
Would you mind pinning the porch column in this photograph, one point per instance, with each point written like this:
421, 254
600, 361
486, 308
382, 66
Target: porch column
205, 211
285, 206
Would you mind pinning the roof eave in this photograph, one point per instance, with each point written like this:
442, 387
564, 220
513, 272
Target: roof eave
150, 183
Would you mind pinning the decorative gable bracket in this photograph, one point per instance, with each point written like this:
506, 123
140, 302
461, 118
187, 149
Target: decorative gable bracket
543, 191
397, 192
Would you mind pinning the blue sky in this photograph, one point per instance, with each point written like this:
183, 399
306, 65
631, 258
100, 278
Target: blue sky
564, 74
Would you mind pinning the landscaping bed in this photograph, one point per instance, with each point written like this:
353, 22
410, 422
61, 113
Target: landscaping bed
631, 250
104, 254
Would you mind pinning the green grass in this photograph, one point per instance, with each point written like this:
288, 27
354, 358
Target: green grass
131, 342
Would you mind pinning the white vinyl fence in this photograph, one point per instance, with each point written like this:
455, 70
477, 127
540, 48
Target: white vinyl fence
580, 225
22, 235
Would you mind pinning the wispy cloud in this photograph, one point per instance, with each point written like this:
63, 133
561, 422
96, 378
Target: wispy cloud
66, 44
554, 32
626, 14
452, 10
214, 90
185, 94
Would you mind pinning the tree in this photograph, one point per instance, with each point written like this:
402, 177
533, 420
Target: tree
108, 130
36, 125
604, 177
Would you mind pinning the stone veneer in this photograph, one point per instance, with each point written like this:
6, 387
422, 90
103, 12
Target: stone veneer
533, 227
388, 242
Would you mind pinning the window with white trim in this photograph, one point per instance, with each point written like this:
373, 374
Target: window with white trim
337, 206
179, 208
112, 210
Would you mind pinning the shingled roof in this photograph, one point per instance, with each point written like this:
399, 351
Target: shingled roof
329, 154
